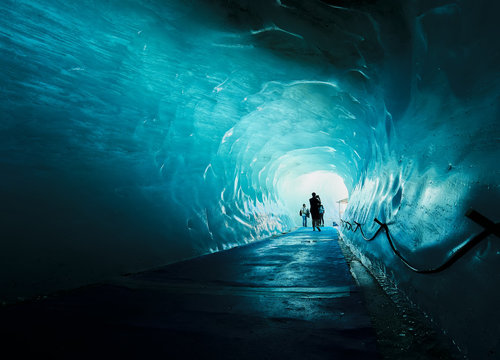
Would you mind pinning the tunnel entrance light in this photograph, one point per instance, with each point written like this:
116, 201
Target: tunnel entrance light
295, 190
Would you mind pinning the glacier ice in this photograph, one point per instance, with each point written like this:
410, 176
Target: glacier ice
136, 133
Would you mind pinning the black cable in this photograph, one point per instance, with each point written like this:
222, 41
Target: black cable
457, 253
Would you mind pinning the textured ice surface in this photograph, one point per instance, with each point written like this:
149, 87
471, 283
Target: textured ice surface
135, 133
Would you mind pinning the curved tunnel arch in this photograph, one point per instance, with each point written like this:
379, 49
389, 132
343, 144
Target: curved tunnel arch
137, 133
297, 128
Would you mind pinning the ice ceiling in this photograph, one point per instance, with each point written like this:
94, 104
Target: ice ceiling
136, 133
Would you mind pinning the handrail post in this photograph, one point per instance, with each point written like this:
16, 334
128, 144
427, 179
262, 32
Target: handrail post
482, 220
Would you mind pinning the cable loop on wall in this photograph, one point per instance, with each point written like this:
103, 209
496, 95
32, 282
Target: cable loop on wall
489, 228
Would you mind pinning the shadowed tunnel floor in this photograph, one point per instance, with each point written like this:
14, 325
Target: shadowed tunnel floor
290, 296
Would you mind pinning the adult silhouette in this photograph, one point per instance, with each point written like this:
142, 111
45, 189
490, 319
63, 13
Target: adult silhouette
314, 204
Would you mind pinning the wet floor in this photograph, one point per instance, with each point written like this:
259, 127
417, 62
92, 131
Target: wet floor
288, 297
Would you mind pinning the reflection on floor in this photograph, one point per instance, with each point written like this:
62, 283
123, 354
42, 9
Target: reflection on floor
288, 297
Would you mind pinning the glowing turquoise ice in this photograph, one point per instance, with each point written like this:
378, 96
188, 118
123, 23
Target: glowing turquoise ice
135, 133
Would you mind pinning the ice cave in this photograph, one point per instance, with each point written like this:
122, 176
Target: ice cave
140, 133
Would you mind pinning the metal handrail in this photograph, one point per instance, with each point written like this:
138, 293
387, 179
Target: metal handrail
489, 228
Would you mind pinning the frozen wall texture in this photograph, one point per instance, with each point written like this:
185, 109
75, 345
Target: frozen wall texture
135, 133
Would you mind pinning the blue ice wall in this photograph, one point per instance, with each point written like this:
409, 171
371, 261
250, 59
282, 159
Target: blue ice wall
136, 133
444, 162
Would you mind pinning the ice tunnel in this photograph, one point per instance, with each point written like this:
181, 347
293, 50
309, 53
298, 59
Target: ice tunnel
136, 133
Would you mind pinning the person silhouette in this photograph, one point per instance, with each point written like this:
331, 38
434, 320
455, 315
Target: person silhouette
304, 212
314, 209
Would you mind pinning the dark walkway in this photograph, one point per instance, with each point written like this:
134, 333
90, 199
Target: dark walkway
289, 297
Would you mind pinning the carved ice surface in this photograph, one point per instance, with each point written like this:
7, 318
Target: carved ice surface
136, 133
